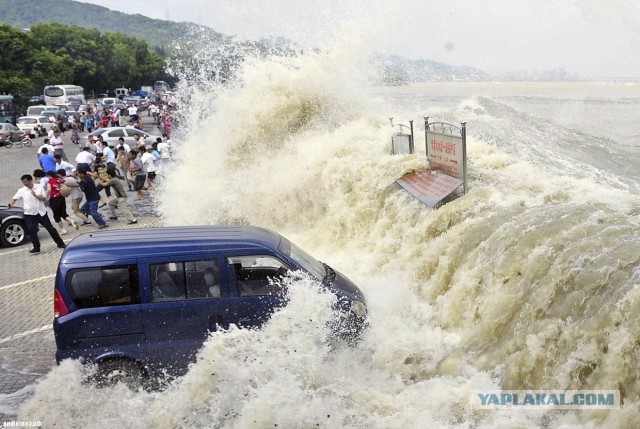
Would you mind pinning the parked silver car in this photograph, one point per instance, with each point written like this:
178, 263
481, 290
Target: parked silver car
35, 126
112, 134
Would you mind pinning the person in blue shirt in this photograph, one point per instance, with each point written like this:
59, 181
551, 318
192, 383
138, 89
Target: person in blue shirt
109, 155
89, 122
47, 162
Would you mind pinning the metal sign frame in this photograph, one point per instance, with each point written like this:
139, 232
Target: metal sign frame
395, 139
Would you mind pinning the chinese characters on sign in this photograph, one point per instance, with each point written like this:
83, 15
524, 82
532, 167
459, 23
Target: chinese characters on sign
429, 188
446, 154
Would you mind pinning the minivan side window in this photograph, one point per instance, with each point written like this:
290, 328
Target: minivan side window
172, 281
101, 287
258, 275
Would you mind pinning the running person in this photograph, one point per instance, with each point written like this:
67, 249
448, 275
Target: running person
33, 197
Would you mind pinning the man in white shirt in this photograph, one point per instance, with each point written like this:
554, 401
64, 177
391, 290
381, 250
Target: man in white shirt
121, 143
149, 162
133, 111
153, 109
97, 144
61, 164
85, 156
40, 178
47, 145
57, 144
164, 150
33, 197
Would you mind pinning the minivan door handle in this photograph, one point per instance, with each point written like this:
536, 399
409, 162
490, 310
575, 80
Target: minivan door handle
215, 322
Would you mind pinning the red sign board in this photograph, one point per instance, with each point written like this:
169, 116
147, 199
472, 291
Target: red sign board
429, 188
446, 154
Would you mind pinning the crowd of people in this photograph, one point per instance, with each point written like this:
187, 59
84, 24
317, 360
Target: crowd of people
98, 178
95, 117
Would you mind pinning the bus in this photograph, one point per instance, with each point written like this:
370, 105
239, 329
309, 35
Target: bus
7, 109
161, 86
62, 94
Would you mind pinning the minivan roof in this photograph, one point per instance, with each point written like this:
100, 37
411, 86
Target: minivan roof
145, 242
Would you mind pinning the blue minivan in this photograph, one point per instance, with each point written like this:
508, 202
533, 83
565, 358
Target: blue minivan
141, 302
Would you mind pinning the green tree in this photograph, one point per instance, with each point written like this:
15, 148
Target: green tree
57, 54
15, 49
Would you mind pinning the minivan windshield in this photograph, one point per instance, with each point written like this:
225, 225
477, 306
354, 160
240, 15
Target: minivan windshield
302, 258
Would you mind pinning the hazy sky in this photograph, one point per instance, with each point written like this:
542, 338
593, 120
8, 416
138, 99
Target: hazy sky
593, 38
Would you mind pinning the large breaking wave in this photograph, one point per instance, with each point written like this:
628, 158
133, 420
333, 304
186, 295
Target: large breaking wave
529, 281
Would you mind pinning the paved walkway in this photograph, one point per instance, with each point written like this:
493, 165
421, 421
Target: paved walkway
27, 346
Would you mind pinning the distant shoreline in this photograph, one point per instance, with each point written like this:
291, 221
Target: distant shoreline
510, 89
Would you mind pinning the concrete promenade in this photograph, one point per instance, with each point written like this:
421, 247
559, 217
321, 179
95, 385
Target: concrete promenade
27, 346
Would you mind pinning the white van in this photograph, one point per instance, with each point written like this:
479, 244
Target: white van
109, 102
121, 92
37, 110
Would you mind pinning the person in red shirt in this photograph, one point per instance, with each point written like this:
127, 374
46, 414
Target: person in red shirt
58, 202
104, 120
166, 127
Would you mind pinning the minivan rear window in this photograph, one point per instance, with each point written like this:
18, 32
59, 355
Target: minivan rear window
101, 287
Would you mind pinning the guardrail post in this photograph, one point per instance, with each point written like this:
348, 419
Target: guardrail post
411, 148
463, 132
426, 142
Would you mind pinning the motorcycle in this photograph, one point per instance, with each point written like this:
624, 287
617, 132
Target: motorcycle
39, 131
23, 140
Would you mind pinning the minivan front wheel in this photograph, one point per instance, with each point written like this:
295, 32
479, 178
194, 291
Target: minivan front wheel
116, 371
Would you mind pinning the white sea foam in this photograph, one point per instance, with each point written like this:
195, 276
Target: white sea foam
529, 281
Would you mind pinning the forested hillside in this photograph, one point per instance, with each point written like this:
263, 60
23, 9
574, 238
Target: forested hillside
57, 54
99, 36
157, 33
100, 56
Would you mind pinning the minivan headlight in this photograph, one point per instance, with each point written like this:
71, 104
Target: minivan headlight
358, 308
